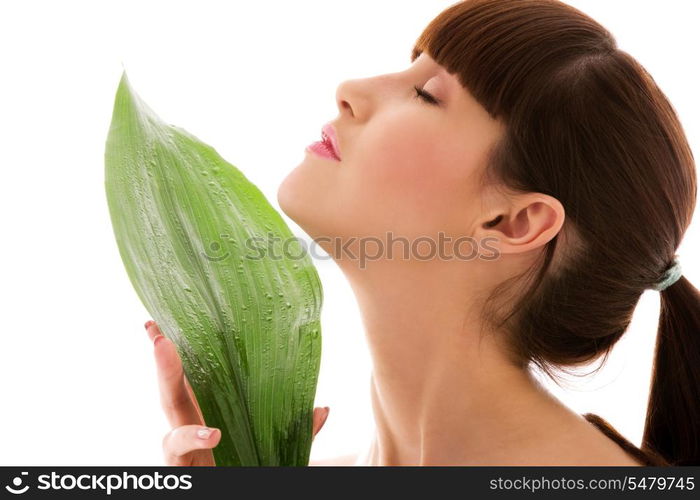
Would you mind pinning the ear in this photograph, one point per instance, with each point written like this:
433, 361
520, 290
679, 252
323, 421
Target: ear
530, 221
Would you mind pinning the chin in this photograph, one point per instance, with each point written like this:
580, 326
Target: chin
310, 201
301, 207
288, 197
297, 201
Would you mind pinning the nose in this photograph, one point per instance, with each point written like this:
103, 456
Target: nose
351, 97
342, 98
360, 98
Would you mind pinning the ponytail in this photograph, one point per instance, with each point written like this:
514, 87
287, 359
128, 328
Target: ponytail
672, 427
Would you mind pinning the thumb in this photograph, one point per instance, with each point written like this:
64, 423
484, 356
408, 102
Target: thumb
320, 416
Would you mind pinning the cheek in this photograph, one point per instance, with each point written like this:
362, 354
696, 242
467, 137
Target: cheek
409, 178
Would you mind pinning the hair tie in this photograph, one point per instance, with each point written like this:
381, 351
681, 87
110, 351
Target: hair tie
671, 275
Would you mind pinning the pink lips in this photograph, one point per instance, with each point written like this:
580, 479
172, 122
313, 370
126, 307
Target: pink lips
329, 132
328, 147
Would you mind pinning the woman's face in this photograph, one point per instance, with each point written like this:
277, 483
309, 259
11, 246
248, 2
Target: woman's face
407, 166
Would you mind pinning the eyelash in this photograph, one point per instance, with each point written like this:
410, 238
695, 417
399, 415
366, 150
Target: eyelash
425, 96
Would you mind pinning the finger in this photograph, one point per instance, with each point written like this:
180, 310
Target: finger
152, 329
175, 399
153, 332
194, 399
188, 438
319, 418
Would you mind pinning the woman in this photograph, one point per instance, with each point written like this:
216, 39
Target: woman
521, 129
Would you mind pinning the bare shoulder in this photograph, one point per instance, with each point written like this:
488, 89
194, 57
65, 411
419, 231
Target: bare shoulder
350, 459
614, 447
608, 454
594, 444
578, 443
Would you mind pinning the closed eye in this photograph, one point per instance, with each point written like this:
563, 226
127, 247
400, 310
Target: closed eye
425, 96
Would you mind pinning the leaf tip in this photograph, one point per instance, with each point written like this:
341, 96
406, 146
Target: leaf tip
124, 84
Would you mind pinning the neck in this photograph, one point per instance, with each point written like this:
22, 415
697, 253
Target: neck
443, 391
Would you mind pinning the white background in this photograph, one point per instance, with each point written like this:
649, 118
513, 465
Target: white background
256, 80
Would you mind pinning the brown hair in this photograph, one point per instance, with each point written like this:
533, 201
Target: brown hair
586, 124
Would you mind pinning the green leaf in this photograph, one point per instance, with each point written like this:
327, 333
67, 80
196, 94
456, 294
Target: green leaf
244, 313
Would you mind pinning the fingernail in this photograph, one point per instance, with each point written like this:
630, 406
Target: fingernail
157, 338
148, 323
204, 433
327, 409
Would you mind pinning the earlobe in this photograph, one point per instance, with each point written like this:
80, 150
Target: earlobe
532, 222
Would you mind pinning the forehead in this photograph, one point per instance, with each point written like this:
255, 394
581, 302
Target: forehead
424, 61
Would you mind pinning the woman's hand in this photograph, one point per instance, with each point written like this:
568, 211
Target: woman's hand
189, 442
